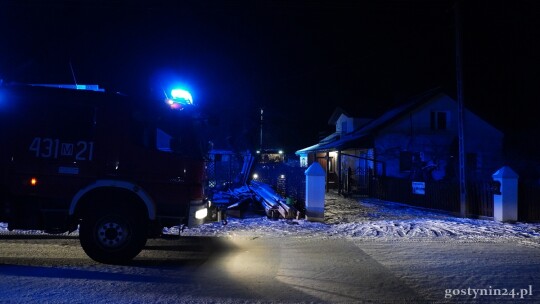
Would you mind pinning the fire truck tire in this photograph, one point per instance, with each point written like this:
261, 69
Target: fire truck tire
112, 237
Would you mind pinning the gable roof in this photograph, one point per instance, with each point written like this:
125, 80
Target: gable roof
397, 112
336, 114
363, 134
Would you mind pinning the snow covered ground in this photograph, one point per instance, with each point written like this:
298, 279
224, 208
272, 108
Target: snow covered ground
436, 255
369, 219
375, 219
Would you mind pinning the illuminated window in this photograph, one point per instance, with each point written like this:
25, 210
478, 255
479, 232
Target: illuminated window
303, 161
330, 165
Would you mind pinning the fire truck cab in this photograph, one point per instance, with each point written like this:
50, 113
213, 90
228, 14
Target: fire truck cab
117, 169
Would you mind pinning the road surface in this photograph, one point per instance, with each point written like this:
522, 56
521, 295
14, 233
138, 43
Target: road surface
37, 269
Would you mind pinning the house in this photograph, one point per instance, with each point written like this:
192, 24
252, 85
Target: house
270, 156
417, 140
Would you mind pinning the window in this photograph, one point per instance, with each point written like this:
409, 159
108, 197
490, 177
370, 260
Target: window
217, 157
471, 161
303, 161
163, 141
407, 159
142, 134
438, 120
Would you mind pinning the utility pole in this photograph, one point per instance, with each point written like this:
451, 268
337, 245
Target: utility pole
261, 136
461, 140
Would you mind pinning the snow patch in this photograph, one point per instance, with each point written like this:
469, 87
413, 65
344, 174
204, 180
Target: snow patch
365, 218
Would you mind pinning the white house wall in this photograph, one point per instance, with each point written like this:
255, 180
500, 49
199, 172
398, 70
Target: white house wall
348, 124
413, 133
351, 123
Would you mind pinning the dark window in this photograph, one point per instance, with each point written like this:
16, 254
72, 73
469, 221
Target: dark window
163, 133
142, 134
408, 159
472, 161
405, 160
438, 120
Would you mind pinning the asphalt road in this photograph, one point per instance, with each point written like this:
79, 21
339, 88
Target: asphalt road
37, 269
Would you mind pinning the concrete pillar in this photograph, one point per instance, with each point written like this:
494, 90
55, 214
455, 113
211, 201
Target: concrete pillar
505, 203
315, 191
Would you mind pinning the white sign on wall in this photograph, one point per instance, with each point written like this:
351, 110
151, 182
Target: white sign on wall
419, 188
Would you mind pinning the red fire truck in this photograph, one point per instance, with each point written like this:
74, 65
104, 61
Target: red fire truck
118, 169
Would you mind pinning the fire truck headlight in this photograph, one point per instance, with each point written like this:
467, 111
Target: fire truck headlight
201, 213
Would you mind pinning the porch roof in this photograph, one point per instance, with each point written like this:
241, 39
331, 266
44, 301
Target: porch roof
357, 140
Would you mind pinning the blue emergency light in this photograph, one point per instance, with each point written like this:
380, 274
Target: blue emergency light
179, 98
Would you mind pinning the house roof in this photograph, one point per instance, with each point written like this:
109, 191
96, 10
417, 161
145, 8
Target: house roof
363, 134
336, 114
338, 144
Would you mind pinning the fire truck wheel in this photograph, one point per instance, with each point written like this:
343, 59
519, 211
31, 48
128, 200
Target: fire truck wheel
112, 237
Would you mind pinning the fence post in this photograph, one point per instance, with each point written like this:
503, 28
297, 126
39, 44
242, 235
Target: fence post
505, 200
315, 191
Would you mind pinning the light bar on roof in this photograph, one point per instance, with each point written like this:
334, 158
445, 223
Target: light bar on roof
84, 87
179, 99
182, 96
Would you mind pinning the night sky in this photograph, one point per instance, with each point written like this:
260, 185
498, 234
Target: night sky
297, 60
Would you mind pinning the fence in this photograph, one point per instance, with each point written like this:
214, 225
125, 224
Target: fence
444, 195
290, 182
529, 200
437, 195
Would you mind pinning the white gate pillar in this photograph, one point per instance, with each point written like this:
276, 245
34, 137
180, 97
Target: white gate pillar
505, 201
315, 191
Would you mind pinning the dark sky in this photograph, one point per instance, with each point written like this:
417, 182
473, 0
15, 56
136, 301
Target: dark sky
298, 60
